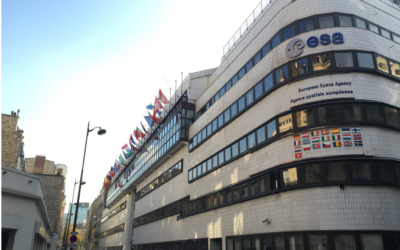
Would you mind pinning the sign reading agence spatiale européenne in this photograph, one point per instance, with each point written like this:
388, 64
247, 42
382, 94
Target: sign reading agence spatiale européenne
323, 85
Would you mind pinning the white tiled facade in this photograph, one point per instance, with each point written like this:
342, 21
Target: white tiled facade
309, 209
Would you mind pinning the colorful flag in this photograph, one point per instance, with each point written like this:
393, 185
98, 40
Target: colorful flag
337, 144
149, 121
316, 146
325, 132
326, 145
297, 143
314, 133
108, 177
296, 137
298, 155
357, 137
140, 134
150, 106
125, 146
157, 105
306, 147
326, 138
346, 136
155, 119
162, 97
335, 131
306, 140
122, 160
125, 155
335, 137
297, 149
305, 135
315, 139
145, 129
358, 143
347, 143
356, 130
345, 129
132, 141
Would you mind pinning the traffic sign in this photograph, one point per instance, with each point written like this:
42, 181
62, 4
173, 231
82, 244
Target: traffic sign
74, 233
73, 238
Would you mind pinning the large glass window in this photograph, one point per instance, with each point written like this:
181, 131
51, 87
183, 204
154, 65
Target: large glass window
216, 97
318, 242
268, 82
242, 144
266, 49
249, 65
300, 67
306, 25
335, 171
374, 113
215, 125
361, 23
385, 33
271, 129
242, 104
289, 177
242, 72
209, 164
384, 172
311, 173
234, 109
344, 60
235, 149
281, 74
251, 140
221, 158
265, 183
344, 242
328, 114
296, 242
234, 80
222, 91
371, 242
227, 154
215, 161
396, 38
352, 112
257, 58
304, 118
394, 68
381, 62
220, 120
260, 135
209, 129
373, 28
365, 60
392, 116
249, 97
279, 242
345, 21
228, 86
258, 89
227, 115
321, 62
326, 22
275, 40
360, 171
288, 32
245, 190
285, 123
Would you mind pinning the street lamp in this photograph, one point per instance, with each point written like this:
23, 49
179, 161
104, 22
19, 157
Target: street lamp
100, 132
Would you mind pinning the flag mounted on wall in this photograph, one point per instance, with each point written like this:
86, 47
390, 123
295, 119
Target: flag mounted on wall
162, 97
144, 129
149, 121
132, 141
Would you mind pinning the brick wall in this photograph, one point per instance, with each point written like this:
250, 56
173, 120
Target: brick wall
39, 165
11, 140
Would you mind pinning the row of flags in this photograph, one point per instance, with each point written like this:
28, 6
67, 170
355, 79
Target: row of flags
128, 150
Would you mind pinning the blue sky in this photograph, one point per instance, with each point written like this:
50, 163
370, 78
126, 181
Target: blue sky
65, 63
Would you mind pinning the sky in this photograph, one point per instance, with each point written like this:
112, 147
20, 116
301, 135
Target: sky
65, 63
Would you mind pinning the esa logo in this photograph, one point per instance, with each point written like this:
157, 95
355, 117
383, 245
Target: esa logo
295, 47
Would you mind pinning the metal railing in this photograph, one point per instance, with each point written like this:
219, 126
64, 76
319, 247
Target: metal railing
244, 27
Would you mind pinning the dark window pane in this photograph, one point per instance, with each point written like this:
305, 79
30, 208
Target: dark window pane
300, 67
246, 244
235, 149
227, 154
311, 173
318, 242
256, 243
220, 120
271, 129
204, 167
249, 97
227, 115
209, 164
257, 58
361, 23
289, 177
229, 195
335, 171
221, 157
326, 22
236, 193
260, 135
210, 201
253, 187
242, 72
296, 242
275, 41
394, 68
371, 242
242, 145
194, 141
392, 116
215, 161
221, 198
265, 183
360, 171
304, 118
245, 190
352, 112
306, 25
344, 242
279, 242
281, 74
365, 60
258, 89
266, 49
241, 104
393, 242
285, 123
374, 113
222, 91
216, 97
234, 109
228, 86
382, 64
268, 82
385, 171
288, 32
321, 62
249, 65
209, 129
234, 80
327, 114
266, 243
204, 133
345, 21
199, 170
215, 199
214, 125
194, 172
251, 140
344, 60
373, 28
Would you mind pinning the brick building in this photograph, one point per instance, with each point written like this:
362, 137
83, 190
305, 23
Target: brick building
12, 145
92, 223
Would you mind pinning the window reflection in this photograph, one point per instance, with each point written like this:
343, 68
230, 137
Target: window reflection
304, 118
360, 171
395, 68
352, 112
300, 67
371, 242
289, 176
306, 25
281, 74
296, 242
361, 23
344, 60
345, 242
373, 28
326, 22
321, 62
285, 123
271, 129
268, 82
318, 242
382, 64
392, 116
335, 171
327, 114
365, 60
345, 21
311, 173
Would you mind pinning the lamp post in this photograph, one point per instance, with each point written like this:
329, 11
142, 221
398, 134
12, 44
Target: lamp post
66, 231
100, 132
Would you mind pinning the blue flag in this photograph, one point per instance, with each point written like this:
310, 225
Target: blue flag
150, 106
149, 121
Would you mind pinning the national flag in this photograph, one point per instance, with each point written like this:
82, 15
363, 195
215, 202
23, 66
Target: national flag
346, 136
125, 155
108, 178
296, 137
305, 135
347, 143
150, 106
133, 167
140, 134
145, 129
357, 137
358, 143
315, 139
122, 160
298, 155
111, 172
314, 133
297, 143
335, 131
326, 145
297, 149
129, 151
106, 181
306, 140
316, 146
345, 129
326, 138
155, 120
149, 121
162, 97
125, 146
335, 137
132, 141
306, 147
179, 114
337, 144
325, 132
356, 130
157, 105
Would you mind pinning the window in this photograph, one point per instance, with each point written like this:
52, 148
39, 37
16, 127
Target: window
220, 120
304, 118
345, 21
321, 62
266, 243
275, 41
382, 64
209, 164
241, 104
216, 97
235, 149
300, 67
365, 60
373, 28
385, 172
198, 170
242, 71
215, 161
361, 23
234, 109
227, 154
227, 115
371, 242
204, 133
258, 89
257, 58
374, 113
221, 157
229, 195
194, 173
285, 123
194, 141
392, 117
281, 74
242, 144
326, 22
360, 171
209, 129
306, 25
249, 97
311, 173
296, 242
245, 190
215, 199
271, 129
260, 135
385, 33
335, 171
279, 242
222, 91
199, 137
344, 60
265, 183
204, 167
251, 140
318, 242
288, 32
344, 242
253, 187
234, 80
221, 197
289, 177
249, 65
352, 112
214, 125
236, 193
268, 82
228, 86
328, 114
395, 68
266, 49
396, 38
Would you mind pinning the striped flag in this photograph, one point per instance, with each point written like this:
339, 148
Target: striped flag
297, 149
335, 131
305, 135
335, 137
297, 143
315, 139
314, 133
326, 138
296, 137
337, 144
345, 129
346, 136
306, 147
316, 146
326, 144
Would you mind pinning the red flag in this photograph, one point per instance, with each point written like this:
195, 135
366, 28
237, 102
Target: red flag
125, 146
157, 105
162, 97
155, 119
119, 166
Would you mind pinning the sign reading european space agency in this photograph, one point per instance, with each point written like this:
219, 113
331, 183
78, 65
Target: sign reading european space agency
295, 47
